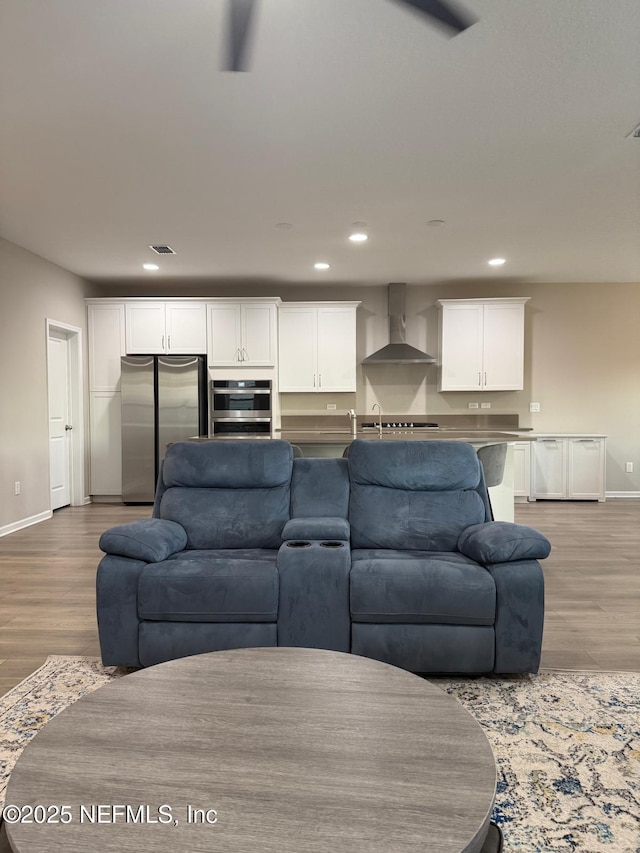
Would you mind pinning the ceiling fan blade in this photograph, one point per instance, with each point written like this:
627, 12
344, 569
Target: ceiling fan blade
240, 14
443, 12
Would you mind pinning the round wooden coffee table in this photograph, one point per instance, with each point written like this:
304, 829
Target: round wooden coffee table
257, 751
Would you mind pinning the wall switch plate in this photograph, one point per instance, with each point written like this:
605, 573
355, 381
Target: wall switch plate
473, 405
629, 467
331, 407
485, 405
534, 407
17, 487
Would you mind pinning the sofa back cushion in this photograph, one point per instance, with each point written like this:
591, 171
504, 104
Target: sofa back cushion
319, 488
417, 495
227, 494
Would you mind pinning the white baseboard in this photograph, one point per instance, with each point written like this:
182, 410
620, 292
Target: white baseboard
622, 495
25, 522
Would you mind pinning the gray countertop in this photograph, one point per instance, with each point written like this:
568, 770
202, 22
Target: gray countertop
337, 437
345, 437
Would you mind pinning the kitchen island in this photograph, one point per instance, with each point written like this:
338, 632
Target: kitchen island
328, 442
330, 436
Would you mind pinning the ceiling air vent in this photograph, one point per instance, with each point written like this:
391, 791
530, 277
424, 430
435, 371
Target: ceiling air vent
162, 250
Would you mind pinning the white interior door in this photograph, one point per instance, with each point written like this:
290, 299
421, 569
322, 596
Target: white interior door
59, 421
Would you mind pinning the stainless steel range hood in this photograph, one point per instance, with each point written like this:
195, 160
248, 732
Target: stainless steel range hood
398, 351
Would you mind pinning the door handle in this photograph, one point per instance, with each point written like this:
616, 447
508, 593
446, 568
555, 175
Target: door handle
245, 354
169, 342
68, 427
162, 345
319, 380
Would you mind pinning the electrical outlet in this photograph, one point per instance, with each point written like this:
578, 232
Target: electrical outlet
331, 407
17, 487
534, 407
485, 405
629, 467
473, 405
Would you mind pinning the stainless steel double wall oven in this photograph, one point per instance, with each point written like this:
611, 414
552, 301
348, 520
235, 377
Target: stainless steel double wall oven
240, 408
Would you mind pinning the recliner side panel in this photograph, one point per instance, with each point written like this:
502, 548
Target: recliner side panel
117, 608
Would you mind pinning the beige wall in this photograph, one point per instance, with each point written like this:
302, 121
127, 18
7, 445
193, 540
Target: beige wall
31, 290
582, 360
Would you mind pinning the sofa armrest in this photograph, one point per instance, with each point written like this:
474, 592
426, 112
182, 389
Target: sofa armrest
502, 542
117, 609
329, 527
519, 615
149, 539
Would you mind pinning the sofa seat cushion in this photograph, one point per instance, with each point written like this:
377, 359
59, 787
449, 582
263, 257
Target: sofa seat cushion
218, 587
417, 587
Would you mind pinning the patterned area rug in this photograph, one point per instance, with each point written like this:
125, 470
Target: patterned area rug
567, 747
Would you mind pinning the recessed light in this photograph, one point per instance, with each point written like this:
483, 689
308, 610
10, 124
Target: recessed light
358, 237
435, 223
150, 266
321, 265
497, 262
284, 226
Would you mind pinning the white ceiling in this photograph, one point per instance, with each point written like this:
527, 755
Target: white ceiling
118, 129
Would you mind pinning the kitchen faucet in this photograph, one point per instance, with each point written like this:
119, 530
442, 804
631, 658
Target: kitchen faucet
373, 408
353, 418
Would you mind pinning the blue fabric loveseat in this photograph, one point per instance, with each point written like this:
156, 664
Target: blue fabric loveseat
389, 553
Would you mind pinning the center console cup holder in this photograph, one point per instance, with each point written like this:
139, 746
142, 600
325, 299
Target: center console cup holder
299, 544
332, 544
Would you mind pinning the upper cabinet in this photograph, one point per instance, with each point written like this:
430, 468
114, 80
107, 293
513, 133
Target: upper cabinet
317, 346
242, 334
160, 328
106, 345
482, 344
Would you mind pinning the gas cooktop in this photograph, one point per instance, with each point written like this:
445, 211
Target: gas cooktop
401, 425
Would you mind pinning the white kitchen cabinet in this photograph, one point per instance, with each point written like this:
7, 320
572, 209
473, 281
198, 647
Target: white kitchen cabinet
568, 467
549, 468
106, 444
481, 344
297, 348
106, 345
586, 469
521, 469
317, 347
156, 328
241, 334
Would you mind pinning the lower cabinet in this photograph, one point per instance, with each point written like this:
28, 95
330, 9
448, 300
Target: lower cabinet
522, 469
106, 446
568, 467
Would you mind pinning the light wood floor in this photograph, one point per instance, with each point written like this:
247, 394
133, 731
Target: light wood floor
47, 585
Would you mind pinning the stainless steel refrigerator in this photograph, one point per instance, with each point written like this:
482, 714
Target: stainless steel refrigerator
164, 399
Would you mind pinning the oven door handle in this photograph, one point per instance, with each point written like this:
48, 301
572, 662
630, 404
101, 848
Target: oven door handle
241, 420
